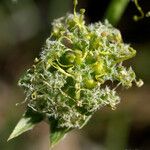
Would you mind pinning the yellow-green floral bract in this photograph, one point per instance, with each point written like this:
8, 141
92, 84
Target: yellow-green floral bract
66, 84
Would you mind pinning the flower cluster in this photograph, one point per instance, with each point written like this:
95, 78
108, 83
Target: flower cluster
68, 81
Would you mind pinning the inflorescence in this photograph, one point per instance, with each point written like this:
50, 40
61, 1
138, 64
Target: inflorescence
66, 82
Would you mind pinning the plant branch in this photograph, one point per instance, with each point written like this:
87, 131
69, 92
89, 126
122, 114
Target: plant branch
115, 10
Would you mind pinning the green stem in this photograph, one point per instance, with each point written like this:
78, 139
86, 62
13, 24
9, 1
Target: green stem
115, 10
75, 2
118, 130
135, 17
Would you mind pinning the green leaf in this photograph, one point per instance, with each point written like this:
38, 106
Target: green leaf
56, 134
29, 119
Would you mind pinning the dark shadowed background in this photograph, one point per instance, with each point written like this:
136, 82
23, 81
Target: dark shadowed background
24, 26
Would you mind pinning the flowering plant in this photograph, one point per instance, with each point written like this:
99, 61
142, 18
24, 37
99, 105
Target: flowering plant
67, 83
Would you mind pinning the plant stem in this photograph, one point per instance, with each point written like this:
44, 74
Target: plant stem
115, 10
118, 130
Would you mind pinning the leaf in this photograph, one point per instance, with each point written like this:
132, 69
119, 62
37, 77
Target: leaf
56, 134
29, 119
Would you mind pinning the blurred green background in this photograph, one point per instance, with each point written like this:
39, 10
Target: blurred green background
24, 26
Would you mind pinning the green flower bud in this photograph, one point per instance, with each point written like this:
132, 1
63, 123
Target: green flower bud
90, 83
98, 68
71, 57
79, 57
